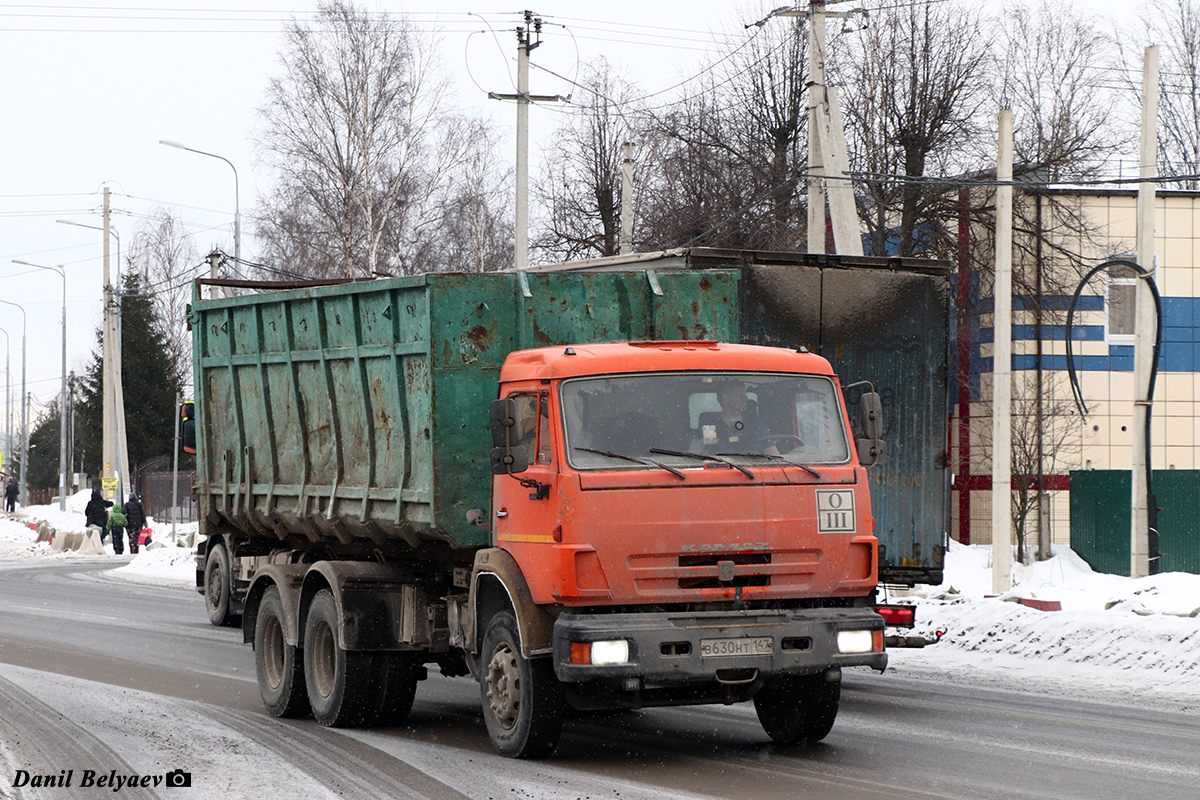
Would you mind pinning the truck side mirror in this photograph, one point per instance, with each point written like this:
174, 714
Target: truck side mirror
503, 414
509, 460
187, 429
871, 448
871, 417
506, 457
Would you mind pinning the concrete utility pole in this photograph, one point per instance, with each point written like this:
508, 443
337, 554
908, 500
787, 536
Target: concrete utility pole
1002, 366
816, 96
827, 153
626, 198
525, 46
113, 470
1144, 536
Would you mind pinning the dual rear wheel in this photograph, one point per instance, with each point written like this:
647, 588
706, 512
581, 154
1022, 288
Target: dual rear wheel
341, 688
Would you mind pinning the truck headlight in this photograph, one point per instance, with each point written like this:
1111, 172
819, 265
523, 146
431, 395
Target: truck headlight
600, 654
855, 641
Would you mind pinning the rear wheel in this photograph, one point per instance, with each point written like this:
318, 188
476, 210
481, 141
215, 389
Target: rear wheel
343, 685
792, 708
279, 665
217, 586
522, 699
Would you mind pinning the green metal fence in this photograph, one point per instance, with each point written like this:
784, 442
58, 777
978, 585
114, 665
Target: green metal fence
1100, 509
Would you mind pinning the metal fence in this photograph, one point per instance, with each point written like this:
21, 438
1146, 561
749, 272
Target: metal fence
156, 494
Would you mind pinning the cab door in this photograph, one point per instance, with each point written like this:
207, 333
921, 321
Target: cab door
524, 505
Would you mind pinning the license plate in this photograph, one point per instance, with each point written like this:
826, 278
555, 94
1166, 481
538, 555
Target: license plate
717, 648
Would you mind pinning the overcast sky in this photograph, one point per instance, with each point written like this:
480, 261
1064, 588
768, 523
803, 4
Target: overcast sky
90, 88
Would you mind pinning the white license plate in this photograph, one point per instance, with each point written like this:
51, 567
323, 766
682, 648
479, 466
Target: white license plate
717, 648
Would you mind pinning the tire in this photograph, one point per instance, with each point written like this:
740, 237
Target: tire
343, 686
218, 587
400, 672
522, 699
794, 708
279, 665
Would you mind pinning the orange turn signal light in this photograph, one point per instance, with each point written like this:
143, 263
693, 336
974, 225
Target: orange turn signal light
581, 652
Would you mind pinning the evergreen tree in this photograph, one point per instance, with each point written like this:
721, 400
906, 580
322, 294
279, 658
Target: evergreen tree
43, 450
150, 380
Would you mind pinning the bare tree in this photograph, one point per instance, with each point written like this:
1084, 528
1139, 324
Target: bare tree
358, 128
1054, 63
914, 84
729, 156
580, 186
1174, 25
166, 256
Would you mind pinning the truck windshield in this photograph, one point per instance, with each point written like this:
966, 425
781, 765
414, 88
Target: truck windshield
613, 421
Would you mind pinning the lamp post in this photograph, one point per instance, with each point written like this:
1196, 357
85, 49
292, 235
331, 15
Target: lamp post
237, 207
7, 395
62, 407
111, 230
24, 413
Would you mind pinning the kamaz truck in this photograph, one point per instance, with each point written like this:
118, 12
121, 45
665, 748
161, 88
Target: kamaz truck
576, 486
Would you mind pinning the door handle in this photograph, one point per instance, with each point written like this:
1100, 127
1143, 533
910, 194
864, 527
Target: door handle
502, 513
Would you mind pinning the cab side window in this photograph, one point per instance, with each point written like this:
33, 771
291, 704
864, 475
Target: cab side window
533, 426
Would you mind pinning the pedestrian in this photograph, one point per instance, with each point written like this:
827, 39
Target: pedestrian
96, 514
116, 526
135, 514
10, 495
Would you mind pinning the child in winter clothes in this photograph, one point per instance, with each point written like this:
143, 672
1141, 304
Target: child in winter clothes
116, 524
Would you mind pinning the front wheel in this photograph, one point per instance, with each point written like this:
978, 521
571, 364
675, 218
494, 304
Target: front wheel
792, 708
278, 664
522, 699
218, 587
343, 685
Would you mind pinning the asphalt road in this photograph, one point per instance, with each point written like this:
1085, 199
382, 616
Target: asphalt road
124, 680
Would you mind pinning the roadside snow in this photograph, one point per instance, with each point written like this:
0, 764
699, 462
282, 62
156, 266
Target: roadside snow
1133, 637
1114, 635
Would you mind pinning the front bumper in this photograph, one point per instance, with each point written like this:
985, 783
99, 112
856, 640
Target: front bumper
665, 648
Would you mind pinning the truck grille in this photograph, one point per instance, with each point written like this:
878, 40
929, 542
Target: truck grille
712, 560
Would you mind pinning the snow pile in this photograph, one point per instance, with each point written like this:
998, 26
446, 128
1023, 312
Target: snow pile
161, 566
1113, 633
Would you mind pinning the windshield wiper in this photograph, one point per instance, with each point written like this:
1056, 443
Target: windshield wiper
634, 459
774, 457
703, 457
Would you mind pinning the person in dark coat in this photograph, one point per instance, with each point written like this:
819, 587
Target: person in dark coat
135, 516
96, 512
10, 495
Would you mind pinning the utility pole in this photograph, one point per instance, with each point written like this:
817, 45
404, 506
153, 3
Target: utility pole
525, 45
114, 455
1143, 519
626, 198
827, 153
1002, 365
816, 96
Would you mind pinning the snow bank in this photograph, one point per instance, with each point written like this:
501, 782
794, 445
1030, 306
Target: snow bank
1113, 633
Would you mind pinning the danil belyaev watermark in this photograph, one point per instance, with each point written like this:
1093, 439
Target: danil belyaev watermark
111, 780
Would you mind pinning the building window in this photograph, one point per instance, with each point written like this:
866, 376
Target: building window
1121, 288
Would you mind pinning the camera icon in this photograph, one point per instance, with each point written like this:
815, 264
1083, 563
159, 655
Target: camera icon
178, 777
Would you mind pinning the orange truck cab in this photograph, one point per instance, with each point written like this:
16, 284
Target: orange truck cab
679, 522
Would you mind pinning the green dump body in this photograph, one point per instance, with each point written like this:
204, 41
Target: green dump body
355, 416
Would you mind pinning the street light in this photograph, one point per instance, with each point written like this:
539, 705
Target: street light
111, 230
24, 412
62, 408
237, 206
7, 395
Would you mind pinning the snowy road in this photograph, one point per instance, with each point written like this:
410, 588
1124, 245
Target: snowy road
130, 681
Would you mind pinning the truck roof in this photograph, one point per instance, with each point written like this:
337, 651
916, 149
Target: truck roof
656, 356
